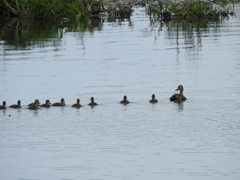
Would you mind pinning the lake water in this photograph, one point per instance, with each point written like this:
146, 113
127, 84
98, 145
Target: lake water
198, 139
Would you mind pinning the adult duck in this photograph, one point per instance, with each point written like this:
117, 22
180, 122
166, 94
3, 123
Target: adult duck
77, 105
153, 100
3, 106
178, 97
92, 103
124, 101
18, 105
61, 103
47, 104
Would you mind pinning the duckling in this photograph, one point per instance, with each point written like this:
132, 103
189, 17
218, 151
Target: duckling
3, 106
35, 105
124, 101
77, 105
180, 96
92, 103
36, 101
62, 103
153, 100
18, 105
47, 104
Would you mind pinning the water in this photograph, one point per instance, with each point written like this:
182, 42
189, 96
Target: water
198, 139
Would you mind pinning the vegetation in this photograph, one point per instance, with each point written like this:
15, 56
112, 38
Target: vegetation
190, 9
50, 8
54, 9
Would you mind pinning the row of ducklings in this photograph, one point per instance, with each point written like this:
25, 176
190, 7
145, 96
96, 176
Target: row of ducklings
177, 98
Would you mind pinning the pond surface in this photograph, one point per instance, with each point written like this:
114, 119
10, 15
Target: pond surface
107, 59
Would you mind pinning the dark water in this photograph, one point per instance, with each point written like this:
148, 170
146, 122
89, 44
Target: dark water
108, 59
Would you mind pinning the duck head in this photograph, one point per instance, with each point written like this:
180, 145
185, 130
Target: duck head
19, 103
62, 101
180, 88
36, 102
153, 96
48, 102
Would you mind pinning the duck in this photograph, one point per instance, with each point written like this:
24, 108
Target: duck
36, 101
47, 104
92, 103
77, 105
178, 97
34, 105
18, 105
124, 101
153, 100
3, 106
62, 103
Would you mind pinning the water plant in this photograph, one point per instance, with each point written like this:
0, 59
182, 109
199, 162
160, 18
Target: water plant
190, 9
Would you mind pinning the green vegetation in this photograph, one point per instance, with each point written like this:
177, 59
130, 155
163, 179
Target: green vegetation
50, 8
54, 9
191, 9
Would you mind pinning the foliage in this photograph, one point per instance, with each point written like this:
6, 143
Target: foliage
193, 9
43, 8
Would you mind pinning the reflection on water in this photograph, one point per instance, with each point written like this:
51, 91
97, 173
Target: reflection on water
107, 59
25, 33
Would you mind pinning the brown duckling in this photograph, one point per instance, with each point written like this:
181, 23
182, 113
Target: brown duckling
124, 101
77, 105
62, 103
92, 103
178, 97
153, 100
47, 104
18, 105
35, 105
3, 106
36, 101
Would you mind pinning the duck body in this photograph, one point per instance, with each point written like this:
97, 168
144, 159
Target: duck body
153, 100
178, 97
92, 103
3, 106
62, 103
124, 101
46, 105
35, 105
18, 105
36, 101
77, 105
